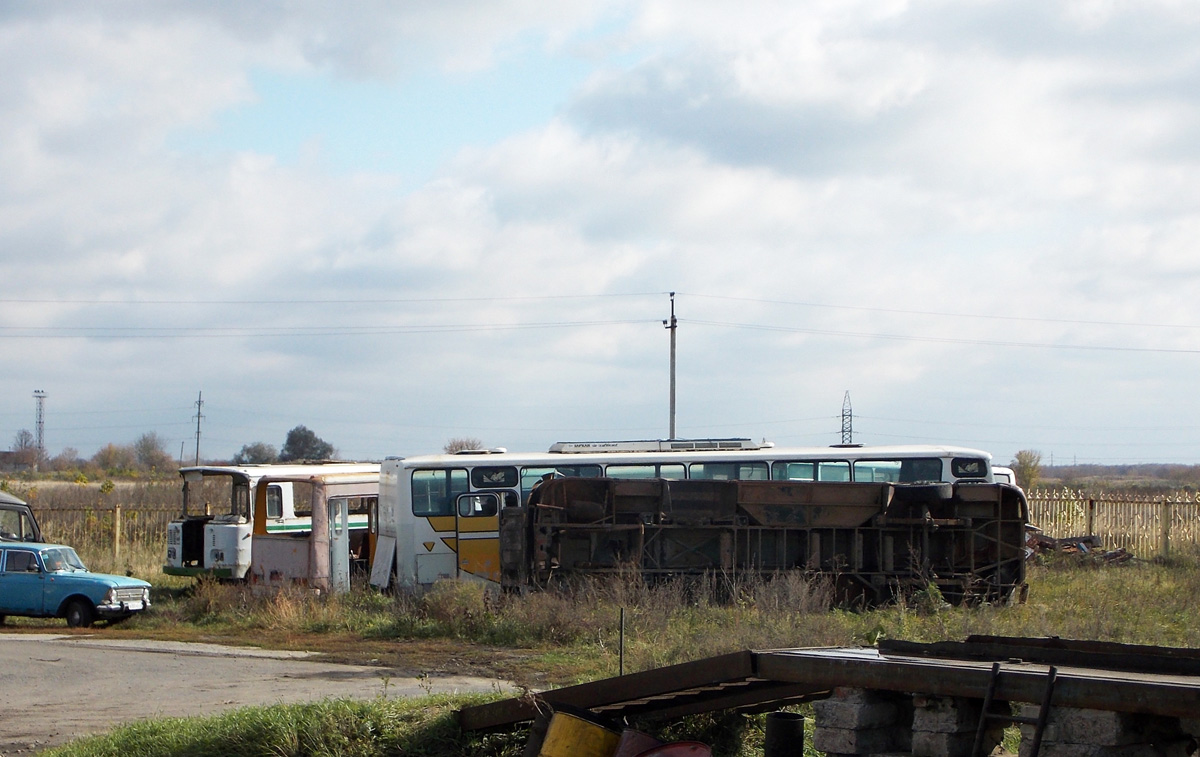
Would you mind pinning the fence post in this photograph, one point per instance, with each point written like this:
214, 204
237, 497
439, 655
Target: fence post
116, 533
1090, 518
1164, 539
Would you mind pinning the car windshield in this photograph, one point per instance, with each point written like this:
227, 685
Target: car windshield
61, 559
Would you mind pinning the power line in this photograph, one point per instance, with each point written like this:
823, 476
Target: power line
350, 301
225, 332
942, 340
943, 314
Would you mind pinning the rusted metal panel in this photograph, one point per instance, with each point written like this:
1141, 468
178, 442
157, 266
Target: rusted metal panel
1056, 651
665, 683
811, 504
1121, 691
879, 539
752, 681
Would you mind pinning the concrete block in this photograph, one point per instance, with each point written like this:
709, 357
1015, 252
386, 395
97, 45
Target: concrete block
855, 741
839, 713
934, 744
1074, 725
860, 696
946, 714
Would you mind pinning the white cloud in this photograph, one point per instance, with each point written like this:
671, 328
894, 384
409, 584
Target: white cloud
995, 159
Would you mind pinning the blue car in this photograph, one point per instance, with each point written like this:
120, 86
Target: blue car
50, 581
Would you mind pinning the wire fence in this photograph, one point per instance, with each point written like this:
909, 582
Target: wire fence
1147, 525
132, 517
113, 529
109, 523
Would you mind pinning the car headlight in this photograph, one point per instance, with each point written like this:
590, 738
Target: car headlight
110, 597
146, 595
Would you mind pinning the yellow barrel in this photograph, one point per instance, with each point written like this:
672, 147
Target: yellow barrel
572, 736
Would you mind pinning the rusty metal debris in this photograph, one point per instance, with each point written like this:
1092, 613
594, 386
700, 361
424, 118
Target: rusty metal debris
1086, 548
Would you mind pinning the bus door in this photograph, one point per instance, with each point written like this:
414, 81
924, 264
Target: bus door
478, 519
338, 512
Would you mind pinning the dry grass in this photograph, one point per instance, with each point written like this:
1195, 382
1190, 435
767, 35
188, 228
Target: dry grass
83, 515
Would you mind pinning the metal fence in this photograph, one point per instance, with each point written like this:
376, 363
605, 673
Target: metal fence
1147, 525
113, 529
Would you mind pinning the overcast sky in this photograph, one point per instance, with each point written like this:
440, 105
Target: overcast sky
399, 223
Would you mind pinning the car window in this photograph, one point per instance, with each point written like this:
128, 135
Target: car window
20, 561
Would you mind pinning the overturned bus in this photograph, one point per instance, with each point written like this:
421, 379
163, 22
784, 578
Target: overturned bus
877, 540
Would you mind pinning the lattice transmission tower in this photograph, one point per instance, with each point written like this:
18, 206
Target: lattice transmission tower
847, 420
39, 426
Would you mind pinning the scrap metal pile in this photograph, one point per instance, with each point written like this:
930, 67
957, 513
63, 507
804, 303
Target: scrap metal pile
877, 540
1084, 548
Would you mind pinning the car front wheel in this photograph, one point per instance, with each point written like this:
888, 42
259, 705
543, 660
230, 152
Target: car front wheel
79, 614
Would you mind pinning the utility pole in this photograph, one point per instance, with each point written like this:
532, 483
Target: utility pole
199, 404
672, 325
847, 420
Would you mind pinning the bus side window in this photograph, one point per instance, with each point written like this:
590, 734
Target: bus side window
833, 471
274, 502
532, 475
647, 470
792, 471
968, 467
728, 471
478, 505
434, 491
921, 469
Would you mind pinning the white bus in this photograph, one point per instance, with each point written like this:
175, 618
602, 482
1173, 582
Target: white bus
341, 507
439, 514
212, 536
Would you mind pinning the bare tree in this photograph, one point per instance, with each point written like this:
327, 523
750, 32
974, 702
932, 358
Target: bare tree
67, 459
460, 443
150, 451
25, 449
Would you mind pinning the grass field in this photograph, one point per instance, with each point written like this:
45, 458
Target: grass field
552, 638
555, 638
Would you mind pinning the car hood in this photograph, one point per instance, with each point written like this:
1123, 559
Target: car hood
105, 579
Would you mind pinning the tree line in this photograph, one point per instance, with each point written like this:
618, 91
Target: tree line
148, 455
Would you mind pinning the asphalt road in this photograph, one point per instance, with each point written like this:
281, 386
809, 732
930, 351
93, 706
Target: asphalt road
54, 688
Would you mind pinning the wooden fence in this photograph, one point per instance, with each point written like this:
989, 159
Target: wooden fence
1147, 525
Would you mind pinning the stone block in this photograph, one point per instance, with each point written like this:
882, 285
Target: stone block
1190, 726
855, 741
860, 696
935, 744
840, 713
946, 714
1074, 725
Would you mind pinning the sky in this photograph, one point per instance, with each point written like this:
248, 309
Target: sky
402, 223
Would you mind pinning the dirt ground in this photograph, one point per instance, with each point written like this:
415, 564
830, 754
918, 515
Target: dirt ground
56, 687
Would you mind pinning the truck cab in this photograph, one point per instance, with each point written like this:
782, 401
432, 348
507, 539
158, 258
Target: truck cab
16, 520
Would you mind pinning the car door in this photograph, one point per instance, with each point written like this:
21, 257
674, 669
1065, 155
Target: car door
22, 583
